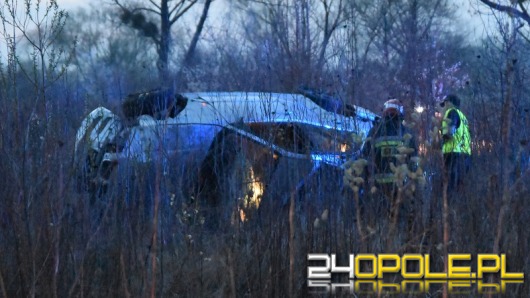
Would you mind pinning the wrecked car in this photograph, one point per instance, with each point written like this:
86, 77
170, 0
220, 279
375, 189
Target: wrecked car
231, 150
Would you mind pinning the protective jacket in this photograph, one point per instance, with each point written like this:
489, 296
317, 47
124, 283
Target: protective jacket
384, 140
460, 142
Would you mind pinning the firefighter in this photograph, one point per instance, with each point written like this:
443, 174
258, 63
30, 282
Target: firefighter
385, 144
389, 149
456, 143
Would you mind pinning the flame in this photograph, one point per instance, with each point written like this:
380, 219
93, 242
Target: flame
422, 149
343, 148
253, 197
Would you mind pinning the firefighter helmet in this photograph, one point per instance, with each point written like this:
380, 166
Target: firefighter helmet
393, 107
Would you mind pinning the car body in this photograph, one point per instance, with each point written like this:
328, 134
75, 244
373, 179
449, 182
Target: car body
222, 135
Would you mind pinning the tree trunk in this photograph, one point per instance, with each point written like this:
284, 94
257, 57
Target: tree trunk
190, 53
163, 47
505, 153
188, 58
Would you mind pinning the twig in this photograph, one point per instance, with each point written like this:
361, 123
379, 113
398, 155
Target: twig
124, 277
291, 244
155, 227
2, 285
445, 219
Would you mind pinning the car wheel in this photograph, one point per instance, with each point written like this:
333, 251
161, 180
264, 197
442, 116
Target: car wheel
97, 135
93, 173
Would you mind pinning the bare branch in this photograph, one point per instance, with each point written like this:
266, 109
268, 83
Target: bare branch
181, 12
155, 5
200, 26
523, 9
431, 18
329, 27
146, 9
508, 9
120, 5
176, 7
135, 9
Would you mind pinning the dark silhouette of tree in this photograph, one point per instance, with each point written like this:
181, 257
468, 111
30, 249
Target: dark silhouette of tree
517, 8
297, 34
514, 8
166, 14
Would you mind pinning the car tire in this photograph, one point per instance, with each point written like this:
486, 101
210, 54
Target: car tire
93, 173
96, 137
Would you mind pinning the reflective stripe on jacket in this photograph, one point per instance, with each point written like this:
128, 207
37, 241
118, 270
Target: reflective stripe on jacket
461, 140
386, 147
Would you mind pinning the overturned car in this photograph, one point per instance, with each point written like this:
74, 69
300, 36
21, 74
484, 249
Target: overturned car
232, 151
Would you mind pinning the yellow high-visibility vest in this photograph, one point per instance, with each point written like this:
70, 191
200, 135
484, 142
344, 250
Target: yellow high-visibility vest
461, 140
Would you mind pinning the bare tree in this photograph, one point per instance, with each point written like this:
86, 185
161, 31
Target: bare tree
110, 63
167, 13
518, 9
34, 64
413, 36
296, 35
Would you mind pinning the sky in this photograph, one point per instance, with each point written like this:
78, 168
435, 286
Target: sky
469, 20
72, 4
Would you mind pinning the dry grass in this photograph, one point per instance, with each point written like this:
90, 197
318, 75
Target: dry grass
55, 243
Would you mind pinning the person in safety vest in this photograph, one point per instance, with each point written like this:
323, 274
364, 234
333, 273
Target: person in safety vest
456, 142
389, 144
